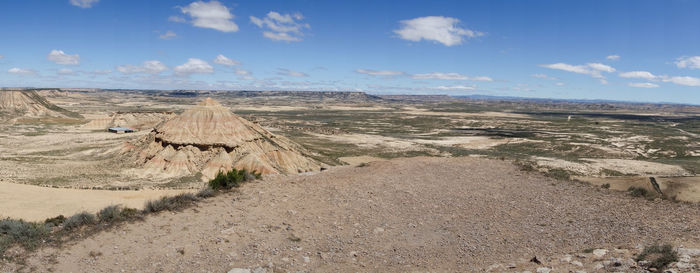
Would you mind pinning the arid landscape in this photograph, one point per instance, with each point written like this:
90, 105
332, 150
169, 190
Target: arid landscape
351, 182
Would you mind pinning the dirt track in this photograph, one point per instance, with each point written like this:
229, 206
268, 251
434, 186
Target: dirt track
403, 215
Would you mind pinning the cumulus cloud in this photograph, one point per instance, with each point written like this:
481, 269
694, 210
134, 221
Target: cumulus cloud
21, 71
281, 27
211, 14
613, 57
65, 71
454, 88
638, 75
83, 3
60, 57
593, 69
223, 60
292, 73
643, 84
688, 62
444, 30
193, 66
386, 73
149, 67
168, 35
449, 76
687, 81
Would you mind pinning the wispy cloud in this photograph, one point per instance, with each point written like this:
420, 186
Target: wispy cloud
281, 27
65, 71
83, 3
592, 69
643, 84
168, 35
638, 75
544, 76
444, 30
449, 76
223, 60
687, 81
386, 73
60, 57
21, 71
613, 57
688, 62
292, 73
149, 67
211, 14
454, 88
177, 19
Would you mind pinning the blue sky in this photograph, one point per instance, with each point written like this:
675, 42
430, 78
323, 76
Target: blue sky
622, 50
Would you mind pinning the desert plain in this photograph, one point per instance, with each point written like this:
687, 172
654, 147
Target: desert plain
392, 183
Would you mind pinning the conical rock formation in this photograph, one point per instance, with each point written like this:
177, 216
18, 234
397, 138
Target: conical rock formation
208, 138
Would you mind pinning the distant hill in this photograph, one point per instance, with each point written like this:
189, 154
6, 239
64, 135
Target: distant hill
28, 103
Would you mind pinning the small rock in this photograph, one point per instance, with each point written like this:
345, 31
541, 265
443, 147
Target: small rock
543, 270
599, 253
259, 270
566, 258
307, 259
239, 270
577, 263
378, 230
598, 266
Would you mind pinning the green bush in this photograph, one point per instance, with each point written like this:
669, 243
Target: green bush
206, 193
20, 232
79, 220
640, 192
659, 256
232, 179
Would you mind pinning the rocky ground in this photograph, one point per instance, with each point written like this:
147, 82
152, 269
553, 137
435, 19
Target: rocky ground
402, 215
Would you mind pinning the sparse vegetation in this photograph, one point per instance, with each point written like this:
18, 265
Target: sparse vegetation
79, 220
659, 256
26, 234
30, 235
232, 179
641, 192
605, 186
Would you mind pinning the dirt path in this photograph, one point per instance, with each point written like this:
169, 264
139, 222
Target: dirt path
402, 215
34, 203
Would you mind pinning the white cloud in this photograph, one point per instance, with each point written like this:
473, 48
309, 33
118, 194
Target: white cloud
601, 67
193, 66
613, 57
150, 67
638, 75
643, 84
379, 72
60, 57
454, 88
449, 76
281, 27
688, 62
101, 72
223, 60
168, 35
444, 30
242, 72
177, 19
292, 73
593, 69
544, 76
21, 71
687, 81
83, 3
559, 84
65, 71
211, 14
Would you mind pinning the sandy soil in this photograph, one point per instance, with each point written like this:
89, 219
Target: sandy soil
357, 160
34, 203
593, 166
402, 215
682, 188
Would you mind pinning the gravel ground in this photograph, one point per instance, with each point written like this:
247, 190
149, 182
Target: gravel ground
403, 215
